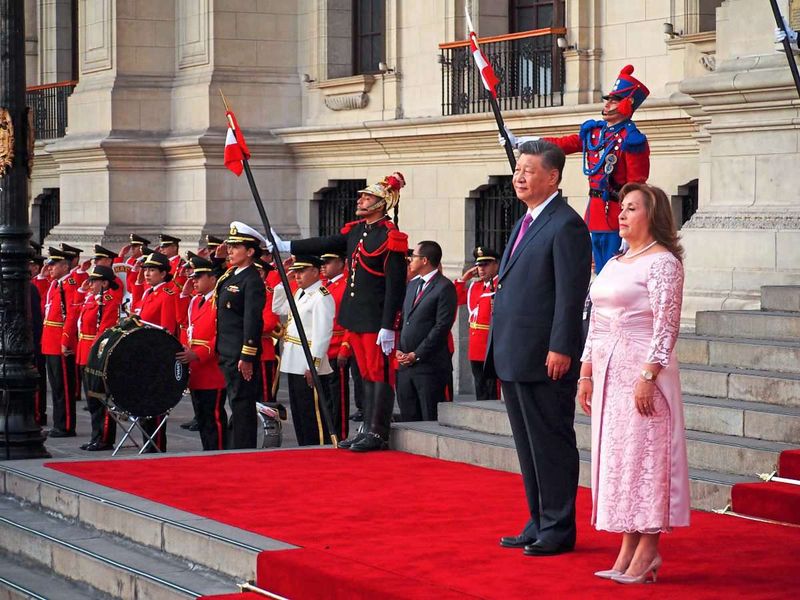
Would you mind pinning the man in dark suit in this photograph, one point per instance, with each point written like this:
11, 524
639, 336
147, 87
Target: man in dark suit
535, 345
429, 310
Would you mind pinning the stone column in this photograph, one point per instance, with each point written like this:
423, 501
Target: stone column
746, 232
582, 59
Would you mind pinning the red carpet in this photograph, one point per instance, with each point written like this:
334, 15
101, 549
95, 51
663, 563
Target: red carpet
772, 499
789, 464
394, 525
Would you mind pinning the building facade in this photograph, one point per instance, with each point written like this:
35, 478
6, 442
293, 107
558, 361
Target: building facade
335, 93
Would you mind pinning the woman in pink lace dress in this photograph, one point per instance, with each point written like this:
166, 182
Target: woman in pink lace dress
630, 385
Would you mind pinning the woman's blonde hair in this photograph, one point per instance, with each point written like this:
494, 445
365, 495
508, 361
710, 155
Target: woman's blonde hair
659, 216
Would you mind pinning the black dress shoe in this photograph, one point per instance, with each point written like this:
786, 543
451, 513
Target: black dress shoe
189, 424
346, 444
516, 541
357, 416
86, 445
539, 549
194, 427
371, 441
60, 433
99, 447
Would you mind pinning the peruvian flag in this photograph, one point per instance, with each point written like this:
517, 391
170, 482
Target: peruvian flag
235, 147
488, 77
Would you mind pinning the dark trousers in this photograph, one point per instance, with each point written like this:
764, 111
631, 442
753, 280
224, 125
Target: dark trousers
150, 424
40, 398
309, 425
61, 371
542, 416
104, 427
269, 379
242, 396
212, 420
419, 393
485, 381
358, 383
337, 390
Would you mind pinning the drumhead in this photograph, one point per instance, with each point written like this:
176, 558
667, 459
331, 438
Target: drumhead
141, 372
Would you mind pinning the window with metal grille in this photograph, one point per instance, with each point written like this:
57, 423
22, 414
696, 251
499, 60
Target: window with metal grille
337, 204
536, 14
369, 34
497, 209
48, 205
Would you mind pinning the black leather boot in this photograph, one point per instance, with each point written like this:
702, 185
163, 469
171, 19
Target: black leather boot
377, 437
368, 402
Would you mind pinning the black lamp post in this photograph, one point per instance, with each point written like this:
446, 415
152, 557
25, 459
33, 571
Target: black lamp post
20, 436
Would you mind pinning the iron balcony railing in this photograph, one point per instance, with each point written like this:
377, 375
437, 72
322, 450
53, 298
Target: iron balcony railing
529, 65
49, 105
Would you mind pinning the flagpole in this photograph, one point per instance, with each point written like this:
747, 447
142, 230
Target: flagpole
787, 45
501, 126
276, 256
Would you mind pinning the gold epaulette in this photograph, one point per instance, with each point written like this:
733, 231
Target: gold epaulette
72, 281
169, 291
324, 291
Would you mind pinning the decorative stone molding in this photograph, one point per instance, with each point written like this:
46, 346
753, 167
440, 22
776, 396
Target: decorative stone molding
740, 221
346, 93
95, 39
193, 38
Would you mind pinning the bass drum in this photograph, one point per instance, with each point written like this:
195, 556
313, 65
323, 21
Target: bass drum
135, 366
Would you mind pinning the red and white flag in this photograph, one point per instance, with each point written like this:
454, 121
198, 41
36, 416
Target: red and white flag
488, 77
235, 147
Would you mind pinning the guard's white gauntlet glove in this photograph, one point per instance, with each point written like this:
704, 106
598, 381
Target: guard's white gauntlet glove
386, 341
282, 245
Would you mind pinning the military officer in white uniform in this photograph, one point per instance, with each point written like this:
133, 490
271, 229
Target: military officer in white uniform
317, 310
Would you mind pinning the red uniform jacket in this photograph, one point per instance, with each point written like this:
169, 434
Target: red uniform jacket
94, 320
271, 321
204, 374
479, 299
632, 153
157, 306
61, 316
42, 285
178, 270
339, 344
79, 275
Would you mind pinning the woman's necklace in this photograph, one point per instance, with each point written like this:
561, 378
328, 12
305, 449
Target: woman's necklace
642, 251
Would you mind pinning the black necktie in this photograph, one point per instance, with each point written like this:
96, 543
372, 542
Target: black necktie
302, 293
202, 301
419, 291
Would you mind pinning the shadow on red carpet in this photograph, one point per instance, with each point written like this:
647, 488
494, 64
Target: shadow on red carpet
395, 525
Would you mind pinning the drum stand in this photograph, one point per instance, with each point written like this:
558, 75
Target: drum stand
128, 423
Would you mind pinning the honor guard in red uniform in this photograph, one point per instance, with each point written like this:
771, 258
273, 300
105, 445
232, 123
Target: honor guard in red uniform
271, 333
99, 312
157, 305
615, 152
169, 246
370, 308
77, 270
206, 382
239, 299
138, 249
42, 283
103, 257
337, 384
59, 342
478, 297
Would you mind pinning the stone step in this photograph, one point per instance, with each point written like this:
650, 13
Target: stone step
712, 415
766, 355
769, 387
709, 490
22, 579
107, 563
780, 297
770, 325
712, 451
210, 544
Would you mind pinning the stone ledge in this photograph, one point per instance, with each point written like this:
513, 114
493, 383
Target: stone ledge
346, 93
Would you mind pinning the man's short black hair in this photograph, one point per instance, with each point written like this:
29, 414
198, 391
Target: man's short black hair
432, 251
553, 157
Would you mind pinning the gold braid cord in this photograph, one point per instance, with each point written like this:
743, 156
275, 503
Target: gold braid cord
6, 141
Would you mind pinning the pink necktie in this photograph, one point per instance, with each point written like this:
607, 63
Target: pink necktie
526, 223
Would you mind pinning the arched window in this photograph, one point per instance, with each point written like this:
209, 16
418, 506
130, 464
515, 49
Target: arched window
497, 209
337, 204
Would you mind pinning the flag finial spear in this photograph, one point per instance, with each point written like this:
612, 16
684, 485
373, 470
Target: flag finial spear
470, 28
227, 110
224, 101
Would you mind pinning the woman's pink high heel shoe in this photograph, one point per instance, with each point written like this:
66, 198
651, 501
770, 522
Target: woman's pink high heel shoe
609, 574
644, 577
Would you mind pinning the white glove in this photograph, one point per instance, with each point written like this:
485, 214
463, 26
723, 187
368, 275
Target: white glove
282, 245
780, 35
511, 138
386, 341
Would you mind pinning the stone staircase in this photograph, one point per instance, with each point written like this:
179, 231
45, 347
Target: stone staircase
740, 373
64, 538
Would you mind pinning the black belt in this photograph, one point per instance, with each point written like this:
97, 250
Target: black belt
598, 194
